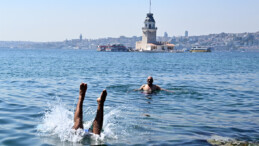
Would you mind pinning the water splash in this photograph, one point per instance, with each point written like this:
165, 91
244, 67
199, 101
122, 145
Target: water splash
58, 121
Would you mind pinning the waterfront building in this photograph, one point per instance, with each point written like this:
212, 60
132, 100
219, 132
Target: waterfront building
112, 48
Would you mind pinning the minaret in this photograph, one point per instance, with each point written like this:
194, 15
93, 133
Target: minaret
149, 30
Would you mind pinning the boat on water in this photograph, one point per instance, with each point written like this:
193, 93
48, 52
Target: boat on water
112, 48
200, 49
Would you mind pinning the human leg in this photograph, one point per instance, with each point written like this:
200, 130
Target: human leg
98, 121
78, 117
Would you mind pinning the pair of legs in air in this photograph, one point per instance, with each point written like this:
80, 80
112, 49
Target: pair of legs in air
78, 118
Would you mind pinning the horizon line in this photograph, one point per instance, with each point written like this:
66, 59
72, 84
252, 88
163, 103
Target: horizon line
119, 37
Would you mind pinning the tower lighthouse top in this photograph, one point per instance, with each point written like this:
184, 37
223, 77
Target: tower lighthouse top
150, 22
150, 17
149, 6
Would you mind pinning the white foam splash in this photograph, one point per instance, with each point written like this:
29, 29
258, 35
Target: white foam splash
58, 120
221, 138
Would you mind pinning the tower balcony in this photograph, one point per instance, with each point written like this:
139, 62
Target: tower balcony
144, 29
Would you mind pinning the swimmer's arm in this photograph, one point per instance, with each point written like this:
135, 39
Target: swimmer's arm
159, 88
141, 88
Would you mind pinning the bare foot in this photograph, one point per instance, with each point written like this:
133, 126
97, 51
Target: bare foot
98, 121
102, 98
83, 88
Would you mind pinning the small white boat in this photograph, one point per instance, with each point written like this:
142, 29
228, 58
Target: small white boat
200, 49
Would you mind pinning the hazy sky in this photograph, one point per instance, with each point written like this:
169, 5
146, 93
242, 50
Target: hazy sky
57, 20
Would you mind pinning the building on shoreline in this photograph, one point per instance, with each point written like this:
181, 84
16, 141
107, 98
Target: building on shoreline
113, 48
149, 43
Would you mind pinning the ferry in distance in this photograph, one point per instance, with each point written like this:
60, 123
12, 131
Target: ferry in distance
200, 49
112, 48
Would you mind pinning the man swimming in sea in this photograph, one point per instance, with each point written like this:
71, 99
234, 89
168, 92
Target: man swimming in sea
150, 87
78, 118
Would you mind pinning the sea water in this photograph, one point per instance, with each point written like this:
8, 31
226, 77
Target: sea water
215, 99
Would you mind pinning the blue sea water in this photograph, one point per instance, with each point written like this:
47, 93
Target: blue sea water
216, 97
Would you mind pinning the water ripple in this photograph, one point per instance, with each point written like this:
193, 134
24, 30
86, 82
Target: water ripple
214, 100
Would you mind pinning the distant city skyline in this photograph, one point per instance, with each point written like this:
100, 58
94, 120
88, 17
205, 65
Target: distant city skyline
46, 20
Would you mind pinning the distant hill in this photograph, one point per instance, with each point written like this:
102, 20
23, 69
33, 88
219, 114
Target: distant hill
220, 42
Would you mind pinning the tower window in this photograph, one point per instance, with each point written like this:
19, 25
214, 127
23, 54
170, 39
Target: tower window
149, 25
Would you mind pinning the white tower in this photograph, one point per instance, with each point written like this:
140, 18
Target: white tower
149, 30
149, 34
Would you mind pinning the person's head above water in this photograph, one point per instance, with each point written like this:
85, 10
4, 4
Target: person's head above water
149, 80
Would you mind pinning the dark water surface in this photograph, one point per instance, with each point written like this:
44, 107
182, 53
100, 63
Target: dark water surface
216, 97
